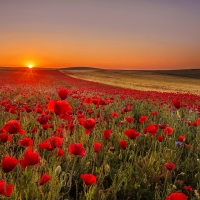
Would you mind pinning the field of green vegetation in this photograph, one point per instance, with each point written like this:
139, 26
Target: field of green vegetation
63, 138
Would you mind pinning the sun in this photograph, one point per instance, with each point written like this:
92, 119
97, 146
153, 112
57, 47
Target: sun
30, 66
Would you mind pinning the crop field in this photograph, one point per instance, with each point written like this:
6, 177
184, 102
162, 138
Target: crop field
64, 138
165, 81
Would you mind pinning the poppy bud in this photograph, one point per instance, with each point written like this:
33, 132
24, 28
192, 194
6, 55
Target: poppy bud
58, 170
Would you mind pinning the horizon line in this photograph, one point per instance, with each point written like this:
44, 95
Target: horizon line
59, 68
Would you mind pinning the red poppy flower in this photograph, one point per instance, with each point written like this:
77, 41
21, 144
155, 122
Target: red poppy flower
88, 124
114, 114
76, 149
46, 145
188, 188
170, 166
30, 158
2, 186
44, 179
177, 196
28, 109
34, 129
23, 163
60, 108
143, 119
38, 110
6, 190
80, 114
145, 130
59, 132
88, 100
154, 113
63, 93
125, 110
177, 103
181, 138
25, 142
107, 134
95, 101
43, 119
56, 141
123, 144
194, 124
97, 146
189, 123
5, 137
198, 121
8, 163
13, 127
47, 126
152, 128
129, 119
168, 131
162, 126
132, 134
59, 152
88, 179
160, 138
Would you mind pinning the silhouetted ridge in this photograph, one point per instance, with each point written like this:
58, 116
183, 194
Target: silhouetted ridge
81, 68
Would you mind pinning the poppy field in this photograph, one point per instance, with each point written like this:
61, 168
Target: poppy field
66, 138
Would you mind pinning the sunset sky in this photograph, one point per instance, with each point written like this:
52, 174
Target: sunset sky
117, 34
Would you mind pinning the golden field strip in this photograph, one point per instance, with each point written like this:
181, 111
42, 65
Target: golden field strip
139, 80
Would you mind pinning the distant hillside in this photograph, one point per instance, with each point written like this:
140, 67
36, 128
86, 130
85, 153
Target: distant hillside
192, 73
80, 68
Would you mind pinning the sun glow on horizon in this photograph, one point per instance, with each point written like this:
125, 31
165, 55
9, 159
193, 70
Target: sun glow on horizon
30, 66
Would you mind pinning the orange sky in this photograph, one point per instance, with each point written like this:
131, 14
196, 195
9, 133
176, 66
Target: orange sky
156, 35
